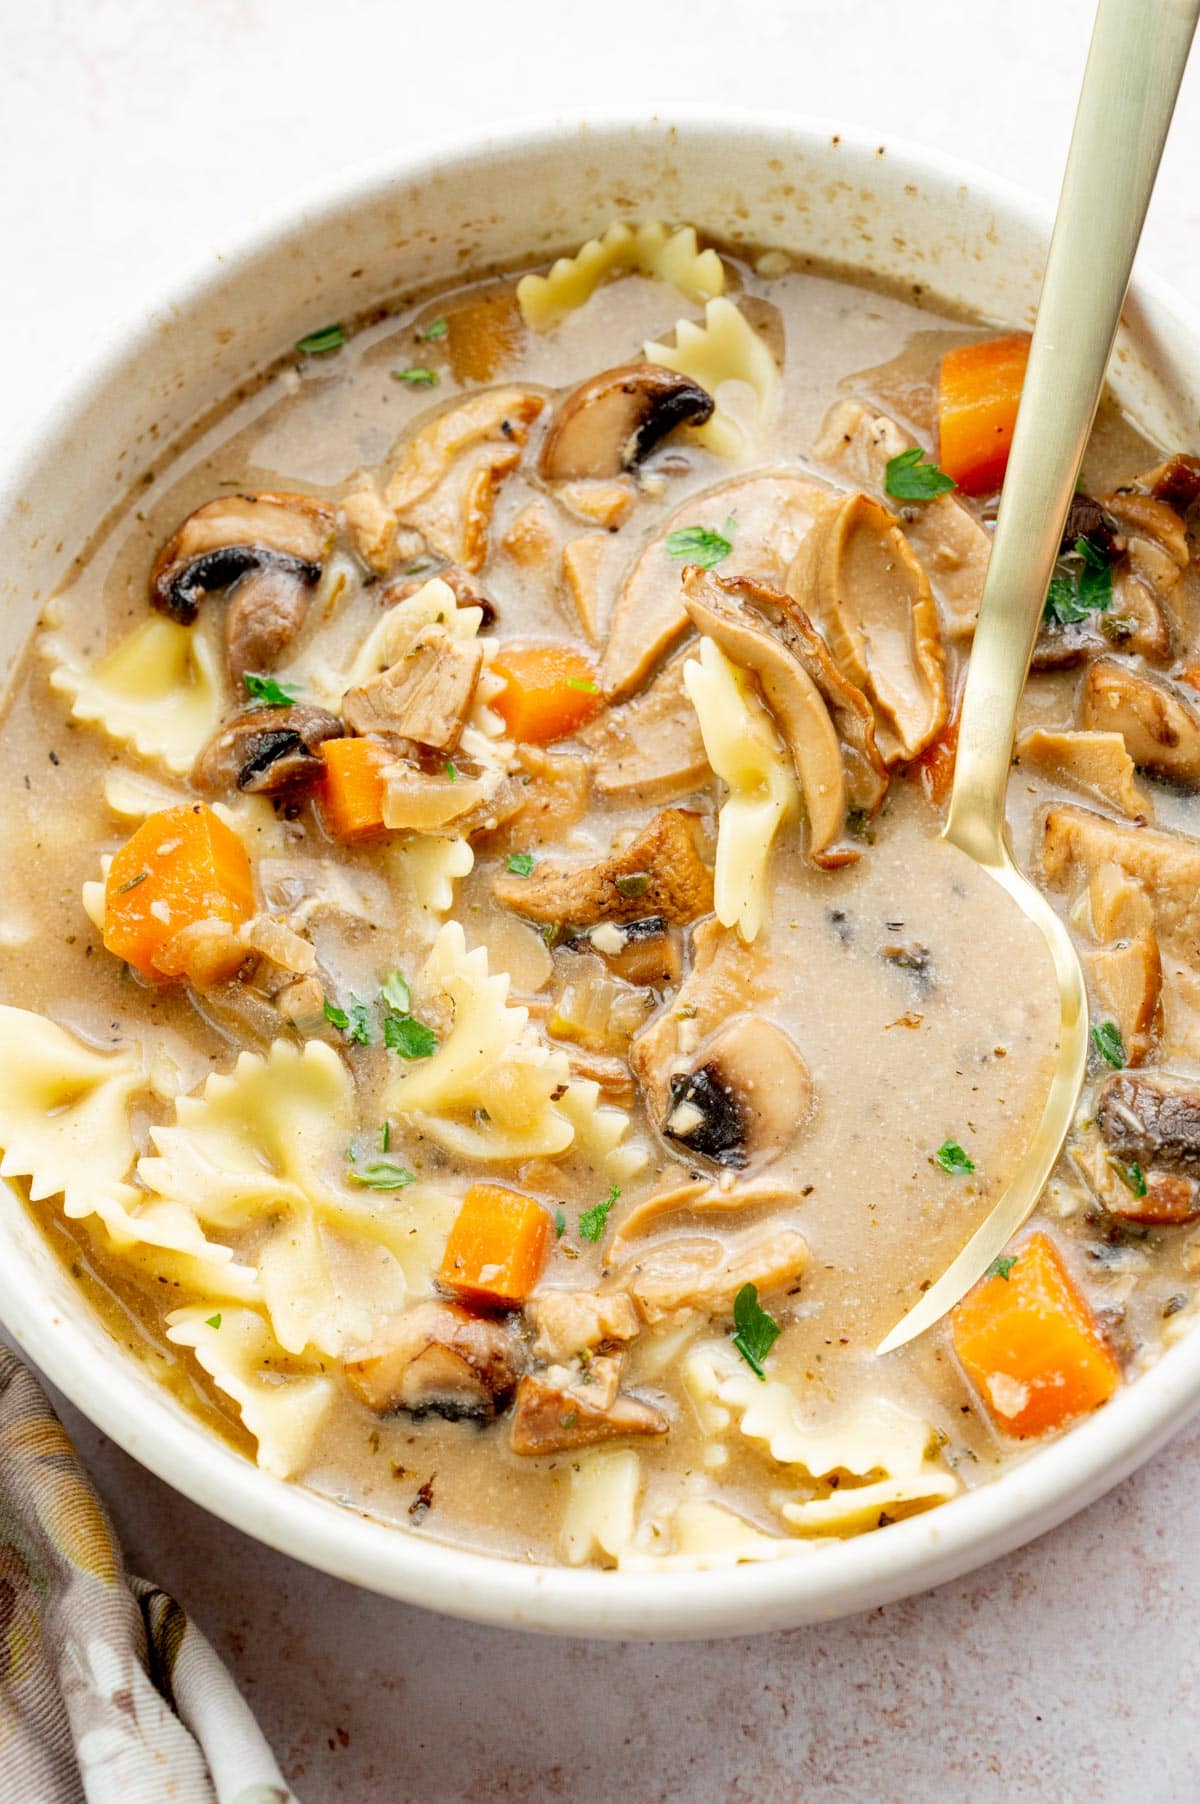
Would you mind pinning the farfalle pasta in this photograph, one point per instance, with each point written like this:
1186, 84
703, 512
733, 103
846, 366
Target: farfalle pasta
485, 998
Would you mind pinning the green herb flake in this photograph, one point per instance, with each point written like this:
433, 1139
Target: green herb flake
910, 478
320, 343
452, 771
266, 690
336, 1016
1106, 1038
1131, 1175
212, 1321
584, 685
952, 1158
437, 328
385, 1137
755, 1332
359, 1030
416, 378
560, 1223
383, 1175
520, 863
408, 1037
635, 884
1084, 588
593, 1222
1000, 1268
396, 993
699, 545
123, 889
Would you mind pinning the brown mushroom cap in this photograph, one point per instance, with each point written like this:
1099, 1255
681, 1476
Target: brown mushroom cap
616, 418
746, 1097
242, 536
266, 750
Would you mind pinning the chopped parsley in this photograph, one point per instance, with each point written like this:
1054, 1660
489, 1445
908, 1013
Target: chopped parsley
635, 884
1106, 1038
410, 1038
354, 1022
1131, 1175
584, 685
593, 1222
416, 378
321, 342
132, 883
1000, 1268
212, 1321
383, 1175
396, 993
952, 1158
560, 1223
910, 478
700, 544
1083, 588
520, 863
452, 771
266, 690
385, 1137
755, 1332
437, 328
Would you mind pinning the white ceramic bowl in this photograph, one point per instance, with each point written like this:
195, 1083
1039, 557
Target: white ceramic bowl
438, 213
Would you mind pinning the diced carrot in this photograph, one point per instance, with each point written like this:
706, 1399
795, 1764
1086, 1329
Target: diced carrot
1030, 1345
497, 1246
978, 392
352, 793
549, 690
183, 865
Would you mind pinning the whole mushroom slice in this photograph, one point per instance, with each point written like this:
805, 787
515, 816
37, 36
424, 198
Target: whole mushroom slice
828, 724
1175, 481
269, 548
438, 1359
746, 1096
558, 1410
614, 420
763, 519
266, 751
1160, 729
857, 576
660, 873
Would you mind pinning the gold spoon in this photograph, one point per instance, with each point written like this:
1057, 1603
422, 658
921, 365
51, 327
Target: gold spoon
1134, 68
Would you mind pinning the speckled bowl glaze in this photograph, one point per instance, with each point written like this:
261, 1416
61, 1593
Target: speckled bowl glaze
438, 212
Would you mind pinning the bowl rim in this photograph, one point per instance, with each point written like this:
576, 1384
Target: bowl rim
817, 1582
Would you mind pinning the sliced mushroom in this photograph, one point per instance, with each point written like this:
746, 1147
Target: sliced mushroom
266, 751
1153, 1121
1076, 842
558, 1410
646, 951
1152, 1197
857, 576
650, 751
426, 697
1146, 578
1161, 731
658, 873
268, 550
684, 1191
1175, 481
613, 421
568, 1322
746, 1097
552, 796
727, 977
438, 1359
1096, 762
764, 520
827, 723
450, 472
1125, 967
702, 1272
949, 542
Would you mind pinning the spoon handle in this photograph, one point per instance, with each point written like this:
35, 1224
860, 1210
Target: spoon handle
1134, 68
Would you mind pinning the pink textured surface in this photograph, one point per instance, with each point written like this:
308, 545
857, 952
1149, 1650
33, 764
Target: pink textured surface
136, 136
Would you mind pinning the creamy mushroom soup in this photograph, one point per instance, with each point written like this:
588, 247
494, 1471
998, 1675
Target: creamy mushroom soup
491, 1021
